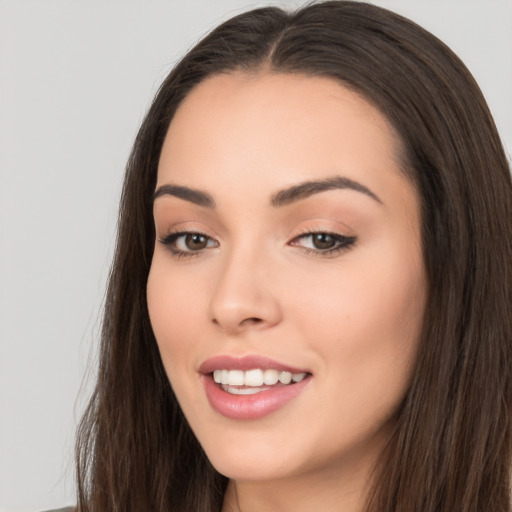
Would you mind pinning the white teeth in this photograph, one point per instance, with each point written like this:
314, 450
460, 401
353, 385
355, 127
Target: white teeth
255, 378
243, 391
270, 377
221, 376
236, 378
285, 377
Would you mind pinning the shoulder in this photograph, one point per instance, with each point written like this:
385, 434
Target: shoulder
65, 509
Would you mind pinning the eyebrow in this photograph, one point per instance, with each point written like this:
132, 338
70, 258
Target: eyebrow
282, 198
309, 188
188, 194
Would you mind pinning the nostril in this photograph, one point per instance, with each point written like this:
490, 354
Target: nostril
244, 322
251, 321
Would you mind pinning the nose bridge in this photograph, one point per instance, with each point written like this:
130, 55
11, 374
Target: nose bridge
243, 295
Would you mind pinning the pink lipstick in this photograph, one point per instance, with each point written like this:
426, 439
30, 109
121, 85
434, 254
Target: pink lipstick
250, 387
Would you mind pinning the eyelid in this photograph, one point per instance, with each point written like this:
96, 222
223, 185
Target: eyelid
168, 240
343, 242
169, 227
174, 235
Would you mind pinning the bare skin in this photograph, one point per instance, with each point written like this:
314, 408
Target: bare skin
331, 281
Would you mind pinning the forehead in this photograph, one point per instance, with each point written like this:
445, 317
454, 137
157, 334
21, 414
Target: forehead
275, 128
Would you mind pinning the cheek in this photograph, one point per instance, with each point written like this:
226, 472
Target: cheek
362, 296
172, 305
365, 319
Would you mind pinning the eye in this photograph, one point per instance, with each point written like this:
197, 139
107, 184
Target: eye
188, 243
323, 243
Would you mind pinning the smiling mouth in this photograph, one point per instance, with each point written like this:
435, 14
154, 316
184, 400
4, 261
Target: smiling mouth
250, 382
252, 386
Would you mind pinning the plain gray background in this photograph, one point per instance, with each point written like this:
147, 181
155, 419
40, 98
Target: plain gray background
76, 78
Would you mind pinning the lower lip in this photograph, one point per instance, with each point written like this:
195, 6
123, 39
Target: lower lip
250, 407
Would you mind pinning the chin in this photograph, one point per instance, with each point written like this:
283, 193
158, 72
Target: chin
246, 468
251, 459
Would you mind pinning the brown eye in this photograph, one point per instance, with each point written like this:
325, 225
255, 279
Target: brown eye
195, 241
188, 243
323, 241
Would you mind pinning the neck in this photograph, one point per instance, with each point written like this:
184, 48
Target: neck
331, 490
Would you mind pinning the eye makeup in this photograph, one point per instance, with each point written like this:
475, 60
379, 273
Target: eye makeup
318, 243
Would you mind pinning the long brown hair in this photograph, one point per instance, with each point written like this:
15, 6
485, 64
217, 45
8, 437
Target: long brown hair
452, 446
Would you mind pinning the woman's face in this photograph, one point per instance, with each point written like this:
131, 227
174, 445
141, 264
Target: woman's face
287, 247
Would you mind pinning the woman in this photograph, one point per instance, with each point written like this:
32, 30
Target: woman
310, 302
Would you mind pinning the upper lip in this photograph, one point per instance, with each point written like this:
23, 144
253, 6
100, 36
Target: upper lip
249, 362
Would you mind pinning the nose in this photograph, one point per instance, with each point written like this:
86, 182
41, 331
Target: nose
244, 297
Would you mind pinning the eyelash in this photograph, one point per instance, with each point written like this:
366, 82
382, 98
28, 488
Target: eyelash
343, 243
172, 238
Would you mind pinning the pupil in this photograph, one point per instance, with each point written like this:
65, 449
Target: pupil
195, 242
323, 241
